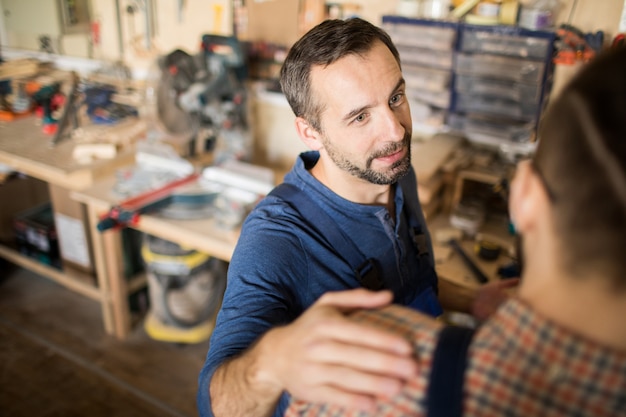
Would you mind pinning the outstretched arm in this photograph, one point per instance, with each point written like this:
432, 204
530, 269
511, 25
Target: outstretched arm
321, 356
481, 301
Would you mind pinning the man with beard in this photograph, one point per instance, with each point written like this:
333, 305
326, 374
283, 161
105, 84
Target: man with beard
348, 216
557, 348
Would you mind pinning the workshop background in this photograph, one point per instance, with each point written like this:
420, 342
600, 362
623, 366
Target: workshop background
135, 136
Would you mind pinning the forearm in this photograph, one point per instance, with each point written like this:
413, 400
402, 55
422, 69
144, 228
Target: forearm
455, 297
240, 387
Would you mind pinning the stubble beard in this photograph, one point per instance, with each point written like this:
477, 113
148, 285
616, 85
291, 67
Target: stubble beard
390, 176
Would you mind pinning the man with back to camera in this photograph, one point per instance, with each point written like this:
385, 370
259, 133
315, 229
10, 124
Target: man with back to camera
357, 223
558, 348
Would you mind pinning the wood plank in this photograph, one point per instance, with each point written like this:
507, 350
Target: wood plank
116, 283
201, 234
24, 147
20, 68
102, 274
591, 16
74, 280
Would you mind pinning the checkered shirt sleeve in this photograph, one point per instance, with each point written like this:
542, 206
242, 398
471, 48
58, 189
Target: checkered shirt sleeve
520, 365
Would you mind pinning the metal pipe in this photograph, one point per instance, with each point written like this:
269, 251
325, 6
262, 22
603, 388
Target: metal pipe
148, 18
120, 40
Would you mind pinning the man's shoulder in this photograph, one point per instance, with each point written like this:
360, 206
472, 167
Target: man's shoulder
273, 213
418, 327
422, 331
272, 229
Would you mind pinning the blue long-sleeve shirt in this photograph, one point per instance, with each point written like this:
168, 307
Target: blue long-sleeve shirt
279, 268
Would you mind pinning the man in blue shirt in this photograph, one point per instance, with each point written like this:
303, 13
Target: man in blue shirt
344, 83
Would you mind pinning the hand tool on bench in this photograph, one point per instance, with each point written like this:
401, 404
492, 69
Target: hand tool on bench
70, 112
127, 213
480, 275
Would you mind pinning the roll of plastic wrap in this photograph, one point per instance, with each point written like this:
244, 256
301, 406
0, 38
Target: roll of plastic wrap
508, 12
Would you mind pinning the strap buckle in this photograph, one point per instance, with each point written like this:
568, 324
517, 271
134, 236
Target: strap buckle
368, 275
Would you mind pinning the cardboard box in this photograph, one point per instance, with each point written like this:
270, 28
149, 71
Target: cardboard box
265, 25
311, 13
282, 21
71, 222
18, 193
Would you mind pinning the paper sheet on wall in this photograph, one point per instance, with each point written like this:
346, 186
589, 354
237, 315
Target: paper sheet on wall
622, 21
72, 239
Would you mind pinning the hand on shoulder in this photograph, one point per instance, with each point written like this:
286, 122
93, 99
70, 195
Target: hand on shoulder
324, 356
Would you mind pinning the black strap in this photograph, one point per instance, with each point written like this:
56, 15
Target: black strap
365, 270
445, 389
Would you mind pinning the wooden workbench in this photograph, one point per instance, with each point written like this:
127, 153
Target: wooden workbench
200, 234
25, 148
206, 236
450, 266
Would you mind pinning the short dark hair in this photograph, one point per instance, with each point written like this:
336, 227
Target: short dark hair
324, 44
582, 156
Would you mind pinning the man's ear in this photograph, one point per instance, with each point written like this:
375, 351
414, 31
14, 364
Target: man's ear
523, 203
520, 198
308, 134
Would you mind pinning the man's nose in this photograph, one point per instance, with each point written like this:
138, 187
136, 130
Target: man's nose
392, 125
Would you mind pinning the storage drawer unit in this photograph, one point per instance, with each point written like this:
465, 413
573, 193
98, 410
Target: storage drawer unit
512, 90
487, 81
496, 106
501, 76
426, 78
489, 130
506, 40
426, 57
500, 67
422, 33
427, 50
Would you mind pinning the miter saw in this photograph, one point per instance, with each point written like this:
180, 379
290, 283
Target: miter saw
198, 100
202, 97
194, 104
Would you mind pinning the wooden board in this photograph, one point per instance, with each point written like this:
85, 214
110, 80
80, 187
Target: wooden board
591, 16
20, 68
26, 148
201, 234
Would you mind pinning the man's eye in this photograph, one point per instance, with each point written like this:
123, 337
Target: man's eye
360, 118
396, 99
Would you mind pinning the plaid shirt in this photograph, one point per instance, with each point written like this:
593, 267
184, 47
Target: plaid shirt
520, 364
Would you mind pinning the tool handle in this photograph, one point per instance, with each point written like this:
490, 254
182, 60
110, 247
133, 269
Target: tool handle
480, 276
106, 223
68, 112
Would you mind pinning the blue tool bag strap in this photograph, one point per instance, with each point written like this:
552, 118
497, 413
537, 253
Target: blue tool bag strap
445, 389
365, 270
421, 241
